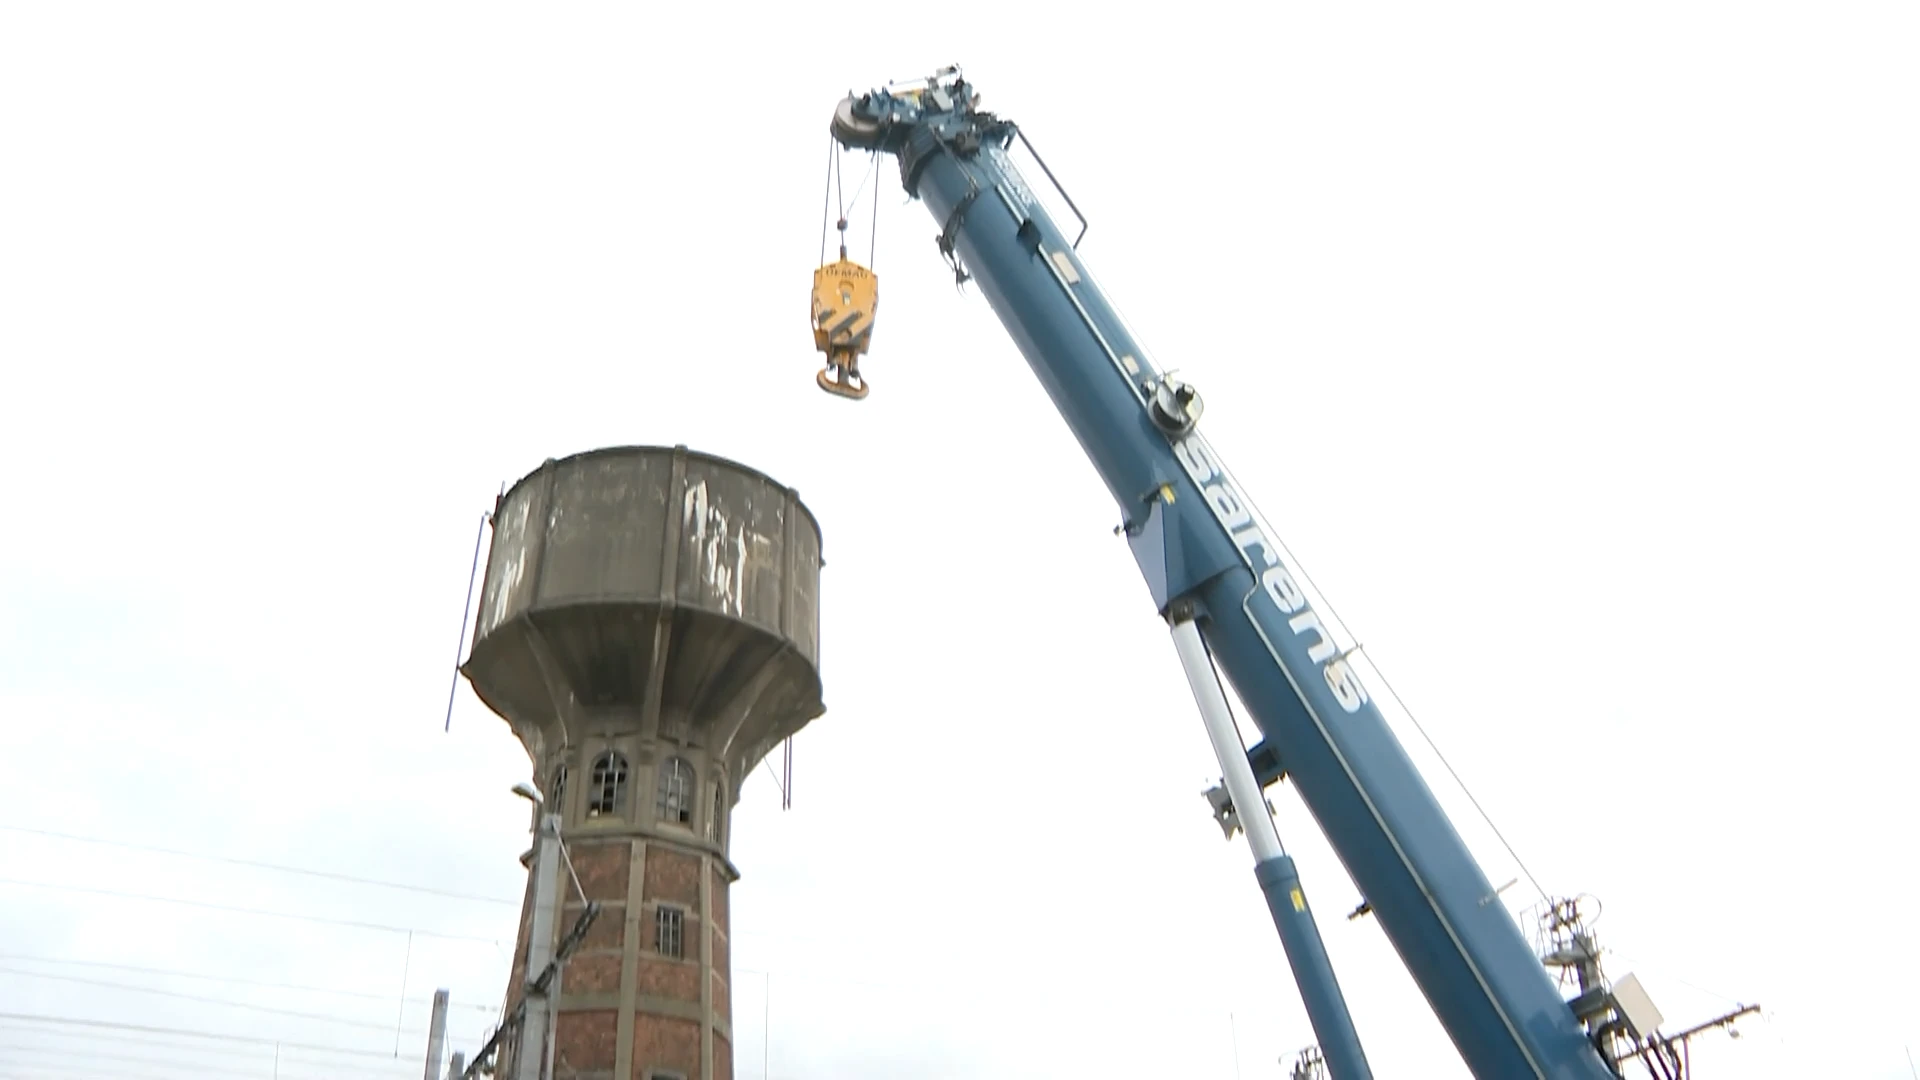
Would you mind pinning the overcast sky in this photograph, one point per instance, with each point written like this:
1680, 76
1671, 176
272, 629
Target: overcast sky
1572, 352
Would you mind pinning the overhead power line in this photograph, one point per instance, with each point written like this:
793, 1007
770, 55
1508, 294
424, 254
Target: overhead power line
355, 924
176, 973
227, 1002
253, 1053
258, 865
256, 1040
92, 1055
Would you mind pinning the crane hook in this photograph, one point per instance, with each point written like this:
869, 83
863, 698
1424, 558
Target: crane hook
842, 379
845, 297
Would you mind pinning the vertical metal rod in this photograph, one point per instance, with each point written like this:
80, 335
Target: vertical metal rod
1233, 1026
466, 611
530, 1056
400, 1014
436, 1035
1273, 868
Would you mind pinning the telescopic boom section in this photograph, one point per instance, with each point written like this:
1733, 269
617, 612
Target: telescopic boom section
1206, 555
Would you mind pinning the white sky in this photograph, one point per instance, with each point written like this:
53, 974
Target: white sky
1571, 351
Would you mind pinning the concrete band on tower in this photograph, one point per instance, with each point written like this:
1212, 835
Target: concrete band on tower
649, 629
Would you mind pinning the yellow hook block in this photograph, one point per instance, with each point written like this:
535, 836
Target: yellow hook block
845, 297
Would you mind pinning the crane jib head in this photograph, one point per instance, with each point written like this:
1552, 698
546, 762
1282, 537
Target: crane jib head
1278, 585
884, 119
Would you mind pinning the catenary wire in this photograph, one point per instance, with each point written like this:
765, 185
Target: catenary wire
180, 996
91, 1055
215, 1050
263, 984
321, 919
257, 1040
256, 864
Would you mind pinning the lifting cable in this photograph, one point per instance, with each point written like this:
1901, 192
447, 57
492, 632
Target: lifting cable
845, 293
837, 191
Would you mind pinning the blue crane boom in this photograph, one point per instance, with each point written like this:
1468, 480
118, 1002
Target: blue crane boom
1234, 598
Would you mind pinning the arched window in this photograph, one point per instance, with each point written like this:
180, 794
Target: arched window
719, 807
609, 793
557, 792
676, 790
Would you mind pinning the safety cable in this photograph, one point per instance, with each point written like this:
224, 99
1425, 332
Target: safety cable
1323, 604
1457, 779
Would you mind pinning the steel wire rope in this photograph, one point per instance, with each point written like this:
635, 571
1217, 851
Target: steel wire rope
257, 864
234, 909
826, 200
837, 195
861, 186
1322, 603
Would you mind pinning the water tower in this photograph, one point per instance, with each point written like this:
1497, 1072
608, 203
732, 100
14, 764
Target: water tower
649, 628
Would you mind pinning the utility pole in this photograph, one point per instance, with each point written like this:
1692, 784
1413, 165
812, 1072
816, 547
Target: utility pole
536, 1032
436, 1035
529, 1027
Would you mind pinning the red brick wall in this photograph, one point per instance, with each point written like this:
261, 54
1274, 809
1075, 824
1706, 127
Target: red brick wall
676, 979
592, 973
602, 868
609, 930
661, 1042
584, 1041
673, 877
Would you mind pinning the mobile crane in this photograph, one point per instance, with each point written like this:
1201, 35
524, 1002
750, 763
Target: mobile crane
1236, 602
